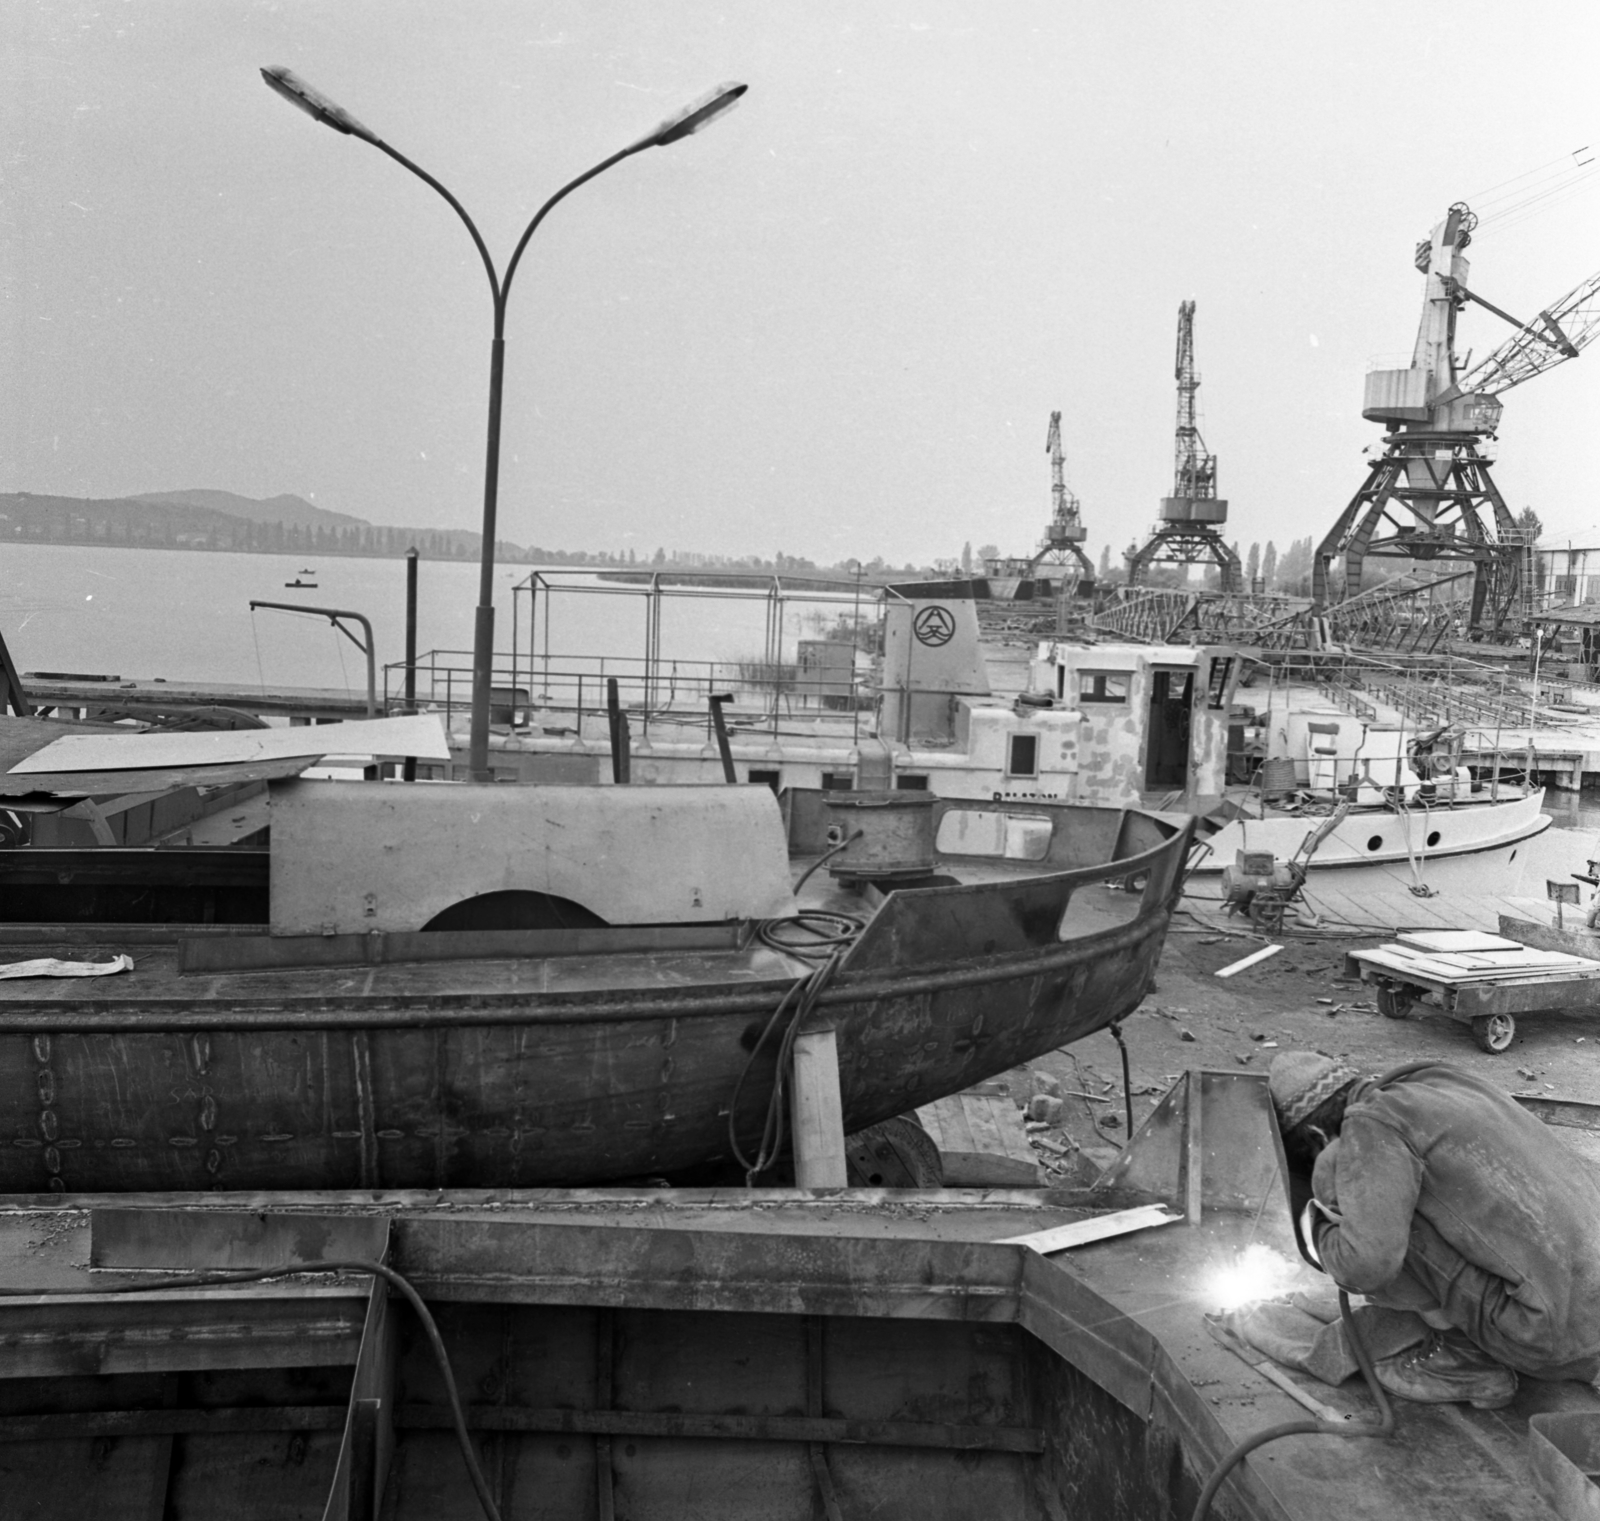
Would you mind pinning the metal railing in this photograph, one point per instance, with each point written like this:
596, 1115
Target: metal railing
563, 691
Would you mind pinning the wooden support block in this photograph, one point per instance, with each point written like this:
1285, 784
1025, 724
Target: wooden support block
1192, 1153
817, 1112
981, 1140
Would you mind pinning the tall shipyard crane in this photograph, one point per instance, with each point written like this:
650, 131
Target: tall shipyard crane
1430, 495
1187, 531
1063, 539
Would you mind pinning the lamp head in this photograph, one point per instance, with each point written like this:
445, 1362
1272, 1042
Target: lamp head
315, 104
698, 114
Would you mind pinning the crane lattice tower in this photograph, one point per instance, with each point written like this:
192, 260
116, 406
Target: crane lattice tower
1063, 538
1187, 533
1431, 495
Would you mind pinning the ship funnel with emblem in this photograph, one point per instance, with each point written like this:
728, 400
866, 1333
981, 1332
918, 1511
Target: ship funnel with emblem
931, 659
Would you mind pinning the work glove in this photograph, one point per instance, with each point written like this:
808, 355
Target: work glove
1315, 1218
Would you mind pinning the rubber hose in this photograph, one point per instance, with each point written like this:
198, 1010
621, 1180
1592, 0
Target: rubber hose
1384, 1427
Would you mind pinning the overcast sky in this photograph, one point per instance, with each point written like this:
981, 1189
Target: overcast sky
835, 323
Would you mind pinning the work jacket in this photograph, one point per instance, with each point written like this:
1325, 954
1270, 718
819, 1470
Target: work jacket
1445, 1187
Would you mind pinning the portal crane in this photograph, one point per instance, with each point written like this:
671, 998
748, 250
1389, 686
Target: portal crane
1063, 539
1190, 517
1430, 495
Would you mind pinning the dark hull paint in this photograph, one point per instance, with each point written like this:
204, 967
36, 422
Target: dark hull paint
281, 1087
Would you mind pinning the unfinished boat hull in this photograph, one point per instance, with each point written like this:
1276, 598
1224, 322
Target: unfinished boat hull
518, 1070
604, 1370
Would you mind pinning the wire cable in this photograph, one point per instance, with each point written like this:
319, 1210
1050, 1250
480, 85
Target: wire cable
348, 1265
802, 995
1383, 1427
826, 856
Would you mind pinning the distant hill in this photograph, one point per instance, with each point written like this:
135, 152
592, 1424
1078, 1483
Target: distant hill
221, 520
292, 511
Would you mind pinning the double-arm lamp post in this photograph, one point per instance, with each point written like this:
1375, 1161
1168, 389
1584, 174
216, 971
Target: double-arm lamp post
701, 113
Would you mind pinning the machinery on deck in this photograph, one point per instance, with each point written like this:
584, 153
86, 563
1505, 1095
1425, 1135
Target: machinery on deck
1263, 888
1430, 495
1188, 532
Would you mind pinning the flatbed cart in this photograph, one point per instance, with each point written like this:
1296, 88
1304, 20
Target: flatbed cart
1490, 1006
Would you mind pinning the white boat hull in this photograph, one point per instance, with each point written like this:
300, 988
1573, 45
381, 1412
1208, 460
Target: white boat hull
1382, 837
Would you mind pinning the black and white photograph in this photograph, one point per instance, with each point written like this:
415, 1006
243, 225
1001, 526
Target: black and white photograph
773, 762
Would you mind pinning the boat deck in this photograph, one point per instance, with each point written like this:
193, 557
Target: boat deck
486, 969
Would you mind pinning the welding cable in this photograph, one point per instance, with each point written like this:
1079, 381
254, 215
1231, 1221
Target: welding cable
348, 1265
1115, 1027
825, 932
1383, 1427
802, 995
825, 857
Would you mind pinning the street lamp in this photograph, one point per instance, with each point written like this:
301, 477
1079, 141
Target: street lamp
691, 119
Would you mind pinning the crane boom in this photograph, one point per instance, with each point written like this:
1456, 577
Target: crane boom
1064, 505
1195, 471
1558, 333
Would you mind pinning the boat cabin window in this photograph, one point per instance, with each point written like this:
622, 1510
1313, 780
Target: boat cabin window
1217, 681
763, 778
838, 781
911, 784
1023, 757
1102, 686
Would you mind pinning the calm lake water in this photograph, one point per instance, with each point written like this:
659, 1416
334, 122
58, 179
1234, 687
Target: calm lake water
185, 615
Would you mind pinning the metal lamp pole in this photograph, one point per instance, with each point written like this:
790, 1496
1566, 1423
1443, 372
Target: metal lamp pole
700, 113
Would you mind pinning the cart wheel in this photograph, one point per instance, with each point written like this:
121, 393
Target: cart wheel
1494, 1032
1392, 1001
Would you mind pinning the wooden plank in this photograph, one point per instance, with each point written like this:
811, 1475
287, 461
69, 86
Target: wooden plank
1456, 940
1122, 1222
817, 1111
981, 1141
1193, 1194
157, 780
683, 1425
419, 734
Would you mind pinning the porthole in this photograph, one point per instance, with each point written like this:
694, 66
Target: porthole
1433, 839
1375, 843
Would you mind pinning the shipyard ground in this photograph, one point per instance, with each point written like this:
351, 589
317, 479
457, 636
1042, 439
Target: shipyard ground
1298, 998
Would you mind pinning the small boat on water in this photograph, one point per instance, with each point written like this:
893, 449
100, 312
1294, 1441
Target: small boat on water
490, 986
310, 585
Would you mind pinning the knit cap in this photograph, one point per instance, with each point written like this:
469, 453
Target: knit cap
1300, 1080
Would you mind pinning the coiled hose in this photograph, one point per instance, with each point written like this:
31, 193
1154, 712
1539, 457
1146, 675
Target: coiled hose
812, 935
1384, 1427
350, 1265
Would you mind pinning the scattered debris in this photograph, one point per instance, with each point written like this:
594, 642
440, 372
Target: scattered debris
1249, 961
1184, 1034
1112, 1121
1046, 1108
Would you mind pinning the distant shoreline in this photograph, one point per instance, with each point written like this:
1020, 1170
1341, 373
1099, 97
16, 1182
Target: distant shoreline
640, 573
